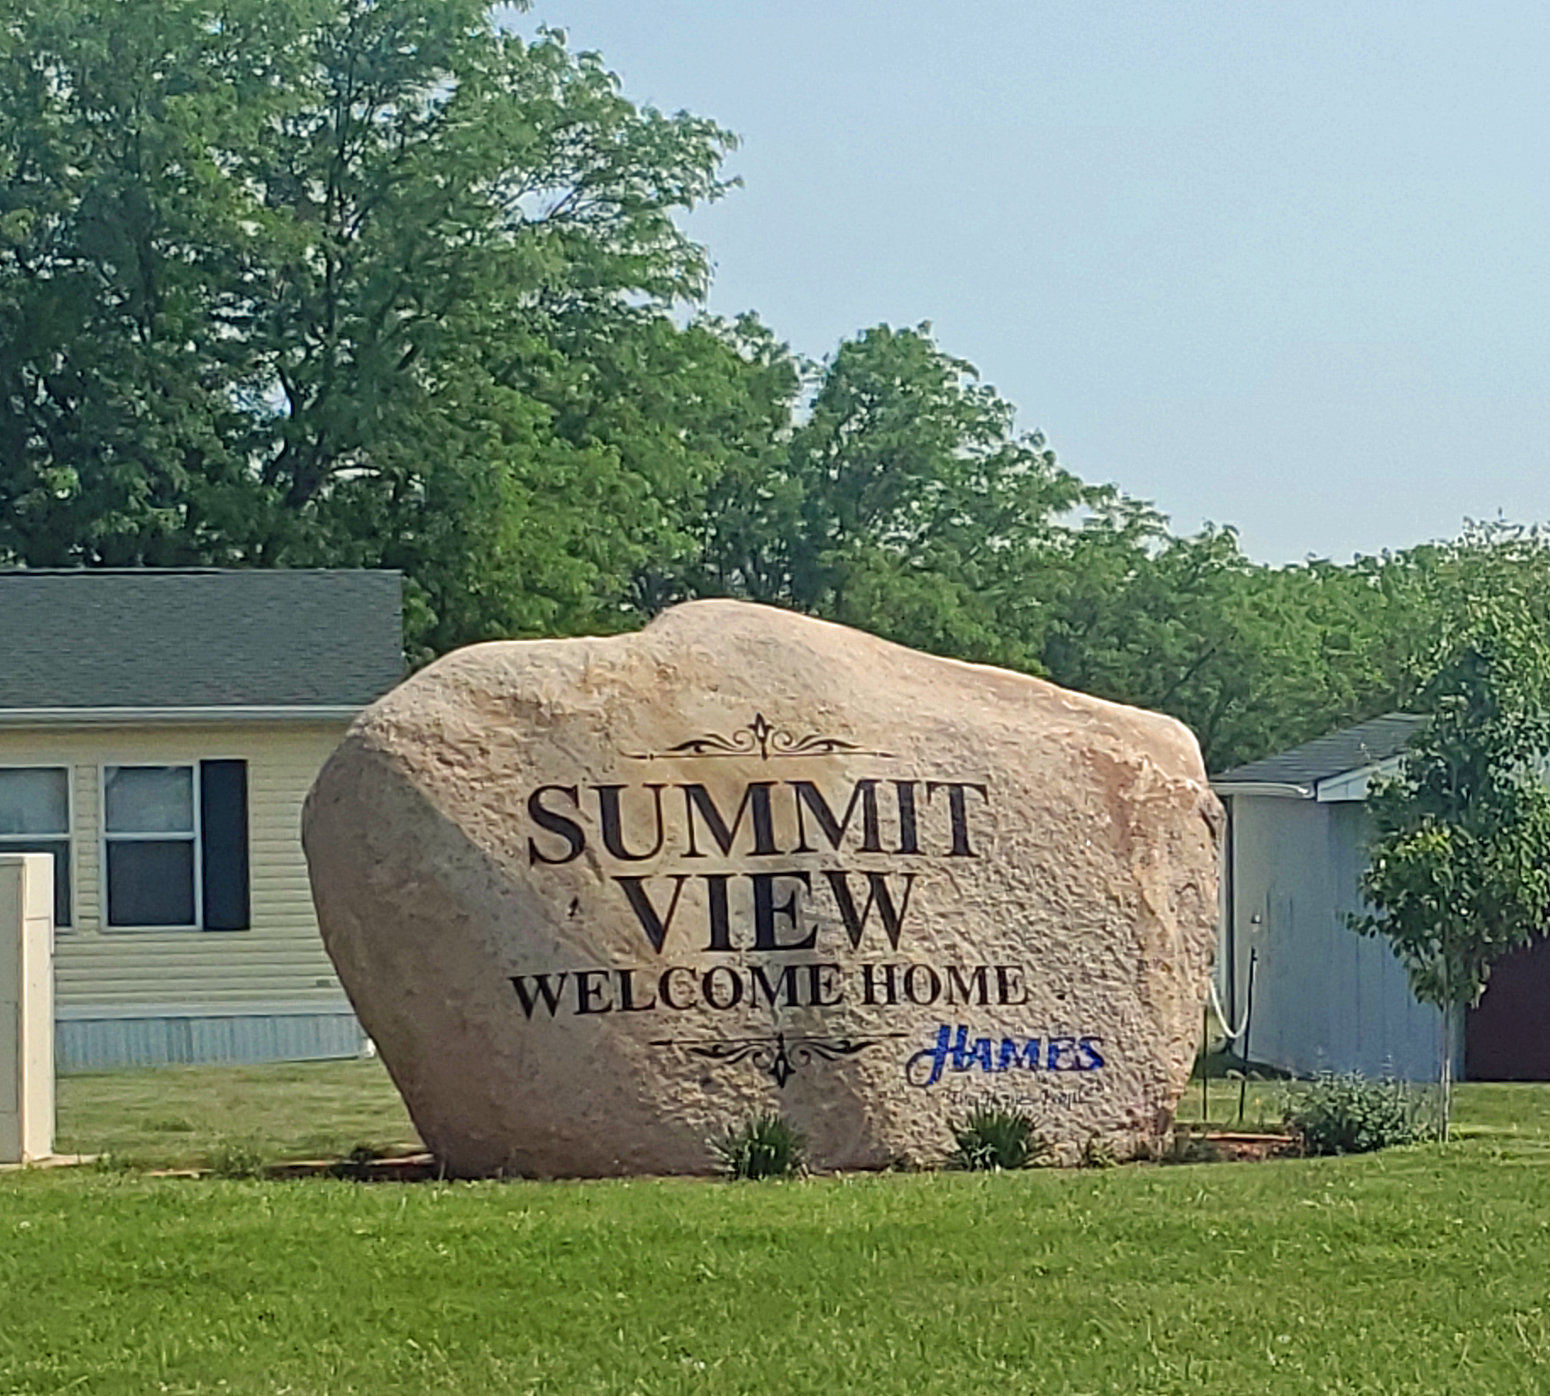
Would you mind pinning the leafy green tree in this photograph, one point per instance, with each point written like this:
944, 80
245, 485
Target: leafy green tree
374, 283
1184, 625
899, 496
1413, 600
302, 282
890, 489
1460, 858
1252, 658
1257, 658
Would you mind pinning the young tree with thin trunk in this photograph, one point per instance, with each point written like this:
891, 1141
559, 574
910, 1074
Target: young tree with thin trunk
1460, 870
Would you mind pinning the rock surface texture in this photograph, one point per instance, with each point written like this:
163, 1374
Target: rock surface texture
599, 900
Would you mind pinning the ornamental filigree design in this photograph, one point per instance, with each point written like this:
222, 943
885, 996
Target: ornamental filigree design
759, 738
779, 1056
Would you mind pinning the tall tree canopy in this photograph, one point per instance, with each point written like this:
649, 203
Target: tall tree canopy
375, 283
896, 493
288, 282
899, 497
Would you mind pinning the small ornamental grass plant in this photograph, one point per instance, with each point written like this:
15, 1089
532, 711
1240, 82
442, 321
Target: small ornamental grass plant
1188, 1143
238, 1158
766, 1146
1349, 1114
990, 1140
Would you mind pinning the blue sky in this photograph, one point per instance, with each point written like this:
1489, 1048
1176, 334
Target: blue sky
1284, 266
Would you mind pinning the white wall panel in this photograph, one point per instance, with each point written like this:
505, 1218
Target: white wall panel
1324, 997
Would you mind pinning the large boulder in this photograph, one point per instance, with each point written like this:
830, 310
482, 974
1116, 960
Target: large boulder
599, 900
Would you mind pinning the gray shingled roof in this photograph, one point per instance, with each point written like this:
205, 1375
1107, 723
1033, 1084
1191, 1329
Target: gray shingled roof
1366, 744
147, 638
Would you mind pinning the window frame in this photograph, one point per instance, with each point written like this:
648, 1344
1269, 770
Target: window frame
68, 838
104, 839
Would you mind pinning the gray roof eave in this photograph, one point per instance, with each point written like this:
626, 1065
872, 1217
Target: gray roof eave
1330, 757
1275, 789
148, 717
158, 639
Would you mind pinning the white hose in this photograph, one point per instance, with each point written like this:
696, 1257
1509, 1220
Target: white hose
1232, 1034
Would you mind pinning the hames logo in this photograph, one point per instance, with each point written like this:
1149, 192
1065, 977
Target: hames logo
954, 1051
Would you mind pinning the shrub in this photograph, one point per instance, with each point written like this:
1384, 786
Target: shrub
767, 1146
117, 1163
1188, 1144
1098, 1152
238, 1158
1349, 1114
991, 1139
356, 1165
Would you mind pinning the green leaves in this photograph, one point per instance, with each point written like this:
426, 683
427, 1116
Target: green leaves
280, 280
1460, 870
899, 497
1348, 1114
373, 283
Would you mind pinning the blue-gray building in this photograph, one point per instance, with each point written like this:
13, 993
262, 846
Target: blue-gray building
1325, 998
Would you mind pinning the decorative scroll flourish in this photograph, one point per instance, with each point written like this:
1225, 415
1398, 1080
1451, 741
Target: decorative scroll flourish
758, 738
778, 1057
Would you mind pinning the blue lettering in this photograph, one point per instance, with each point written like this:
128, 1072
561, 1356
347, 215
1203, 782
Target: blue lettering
932, 1059
1058, 1047
954, 1051
1026, 1056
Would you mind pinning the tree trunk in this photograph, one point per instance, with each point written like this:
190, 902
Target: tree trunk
1445, 1074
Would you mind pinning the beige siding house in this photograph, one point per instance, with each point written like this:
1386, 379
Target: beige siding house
158, 733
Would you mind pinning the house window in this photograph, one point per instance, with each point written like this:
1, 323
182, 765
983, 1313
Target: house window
152, 845
175, 846
35, 818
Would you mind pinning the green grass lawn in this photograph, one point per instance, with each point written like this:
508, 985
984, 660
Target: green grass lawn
177, 1117
183, 1117
1420, 1271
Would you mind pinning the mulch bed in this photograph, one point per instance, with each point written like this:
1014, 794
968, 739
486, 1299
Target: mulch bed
1223, 1146
398, 1168
1250, 1148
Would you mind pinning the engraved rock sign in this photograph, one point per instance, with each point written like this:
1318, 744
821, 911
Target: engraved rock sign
598, 900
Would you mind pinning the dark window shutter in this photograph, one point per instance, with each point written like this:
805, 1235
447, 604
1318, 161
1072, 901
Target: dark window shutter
223, 833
